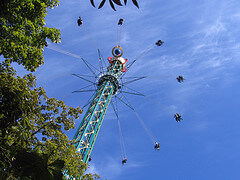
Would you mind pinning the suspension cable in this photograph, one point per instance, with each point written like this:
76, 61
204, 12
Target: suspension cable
88, 35
88, 102
120, 133
100, 59
123, 150
139, 56
149, 133
165, 107
153, 139
94, 43
119, 30
76, 56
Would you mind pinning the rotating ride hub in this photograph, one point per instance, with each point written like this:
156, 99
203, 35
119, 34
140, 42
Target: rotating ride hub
117, 65
107, 86
110, 78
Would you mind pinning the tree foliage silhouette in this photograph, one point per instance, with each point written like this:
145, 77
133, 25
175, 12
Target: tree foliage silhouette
33, 143
112, 2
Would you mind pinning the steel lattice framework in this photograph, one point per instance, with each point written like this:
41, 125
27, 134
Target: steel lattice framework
107, 86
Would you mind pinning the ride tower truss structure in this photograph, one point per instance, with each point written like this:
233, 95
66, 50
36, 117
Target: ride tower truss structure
107, 86
108, 83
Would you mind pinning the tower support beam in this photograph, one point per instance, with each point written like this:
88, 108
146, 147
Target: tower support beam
89, 128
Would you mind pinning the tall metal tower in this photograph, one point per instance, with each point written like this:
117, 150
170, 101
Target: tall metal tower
109, 82
107, 86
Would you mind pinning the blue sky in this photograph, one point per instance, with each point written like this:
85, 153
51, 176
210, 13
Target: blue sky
201, 43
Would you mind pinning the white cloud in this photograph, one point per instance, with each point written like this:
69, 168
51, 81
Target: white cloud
92, 169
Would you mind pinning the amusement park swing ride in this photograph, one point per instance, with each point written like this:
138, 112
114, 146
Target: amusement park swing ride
109, 88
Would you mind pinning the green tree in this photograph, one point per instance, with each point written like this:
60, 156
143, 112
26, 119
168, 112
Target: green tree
23, 31
33, 143
35, 166
32, 128
111, 2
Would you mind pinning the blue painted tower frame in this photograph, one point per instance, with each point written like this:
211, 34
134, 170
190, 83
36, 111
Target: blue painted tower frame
107, 86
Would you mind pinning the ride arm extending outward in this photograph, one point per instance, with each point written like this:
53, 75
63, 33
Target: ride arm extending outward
134, 79
76, 56
84, 89
134, 92
87, 90
79, 76
101, 61
88, 102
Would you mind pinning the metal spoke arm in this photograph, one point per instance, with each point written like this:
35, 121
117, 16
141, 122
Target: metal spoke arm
88, 65
127, 104
139, 94
100, 61
84, 89
134, 91
76, 56
87, 90
115, 110
135, 79
79, 76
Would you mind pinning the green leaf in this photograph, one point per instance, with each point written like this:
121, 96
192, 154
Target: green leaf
112, 5
118, 2
92, 2
101, 4
59, 164
135, 3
